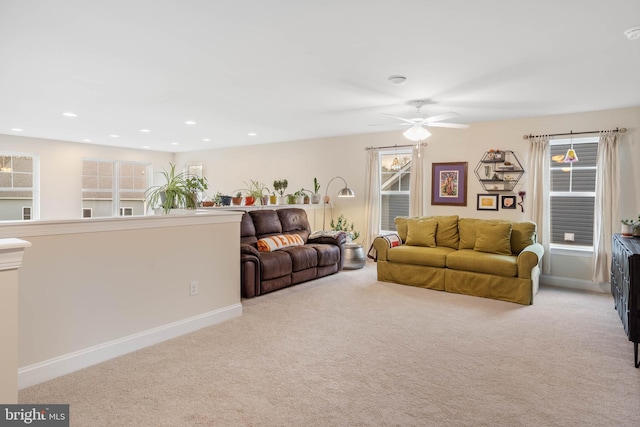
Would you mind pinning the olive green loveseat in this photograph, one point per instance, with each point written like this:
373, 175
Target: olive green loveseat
488, 258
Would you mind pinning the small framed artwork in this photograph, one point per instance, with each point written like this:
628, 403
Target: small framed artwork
487, 202
449, 184
508, 202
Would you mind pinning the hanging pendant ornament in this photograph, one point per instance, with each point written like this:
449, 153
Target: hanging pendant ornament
571, 156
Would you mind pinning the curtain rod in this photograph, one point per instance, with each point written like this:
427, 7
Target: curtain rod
621, 130
424, 144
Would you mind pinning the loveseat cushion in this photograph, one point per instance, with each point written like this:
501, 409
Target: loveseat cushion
446, 232
493, 238
419, 255
482, 262
295, 220
275, 264
523, 234
266, 222
421, 232
401, 226
328, 254
302, 257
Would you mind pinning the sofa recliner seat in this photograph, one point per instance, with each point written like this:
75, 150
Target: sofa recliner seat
262, 272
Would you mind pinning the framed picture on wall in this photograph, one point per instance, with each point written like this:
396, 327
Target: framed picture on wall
487, 202
508, 202
449, 184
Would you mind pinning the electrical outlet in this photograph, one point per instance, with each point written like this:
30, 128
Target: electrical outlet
193, 289
569, 237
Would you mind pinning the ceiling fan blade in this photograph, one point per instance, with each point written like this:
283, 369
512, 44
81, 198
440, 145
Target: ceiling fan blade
448, 125
390, 124
441, 117
398, 118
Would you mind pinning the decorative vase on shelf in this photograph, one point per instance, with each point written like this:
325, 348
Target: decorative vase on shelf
627, 230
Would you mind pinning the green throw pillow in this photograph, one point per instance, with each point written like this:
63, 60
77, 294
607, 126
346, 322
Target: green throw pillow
494, 238
447, 232
421, 232
523, 234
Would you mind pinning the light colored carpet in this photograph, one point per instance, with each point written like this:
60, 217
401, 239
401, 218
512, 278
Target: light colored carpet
347, 350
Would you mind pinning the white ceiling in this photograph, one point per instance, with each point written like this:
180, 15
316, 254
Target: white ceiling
299, 69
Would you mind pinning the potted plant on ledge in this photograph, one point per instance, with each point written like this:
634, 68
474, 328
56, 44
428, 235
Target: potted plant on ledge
173, 194
280, 186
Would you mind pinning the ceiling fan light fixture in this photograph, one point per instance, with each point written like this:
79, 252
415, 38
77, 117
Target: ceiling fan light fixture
633, 33
416, 133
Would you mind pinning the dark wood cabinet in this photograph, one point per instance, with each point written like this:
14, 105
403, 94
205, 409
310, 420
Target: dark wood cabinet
625, 286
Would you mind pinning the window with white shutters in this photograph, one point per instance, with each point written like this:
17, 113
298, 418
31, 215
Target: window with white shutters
572, 191
394, 187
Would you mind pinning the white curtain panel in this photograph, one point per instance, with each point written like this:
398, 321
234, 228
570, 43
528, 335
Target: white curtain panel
372, 197
538, 201
416, 189
607, 204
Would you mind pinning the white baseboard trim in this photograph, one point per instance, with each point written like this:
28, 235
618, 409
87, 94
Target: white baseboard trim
568, 282
67, 363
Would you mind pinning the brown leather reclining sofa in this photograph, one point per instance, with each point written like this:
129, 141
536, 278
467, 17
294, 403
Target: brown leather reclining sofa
262, 272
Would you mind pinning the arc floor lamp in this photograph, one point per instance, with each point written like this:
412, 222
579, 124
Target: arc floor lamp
344, 192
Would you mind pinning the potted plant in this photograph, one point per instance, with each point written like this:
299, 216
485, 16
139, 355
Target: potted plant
172, 194
194, 186
315, 196
280, 186
273, 199
343, 225
299, 196
630, 227
291, 199
237, 200
225, 200
255, 190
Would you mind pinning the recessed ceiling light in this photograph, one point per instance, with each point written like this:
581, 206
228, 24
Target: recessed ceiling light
113, 135
206, 140
633, 33
69, 114
190, 122
145, 146
86, 140
397, 79
16, 129
252, 134
145, 130
175, 143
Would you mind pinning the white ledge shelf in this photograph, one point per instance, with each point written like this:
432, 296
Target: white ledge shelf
11, 251
90, 225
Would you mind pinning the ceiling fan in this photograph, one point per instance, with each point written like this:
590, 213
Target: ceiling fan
417, 131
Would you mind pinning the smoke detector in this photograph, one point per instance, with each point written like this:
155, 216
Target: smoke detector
633, 33
397, 80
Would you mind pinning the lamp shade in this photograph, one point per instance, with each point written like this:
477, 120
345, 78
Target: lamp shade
416, 133
346, 192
